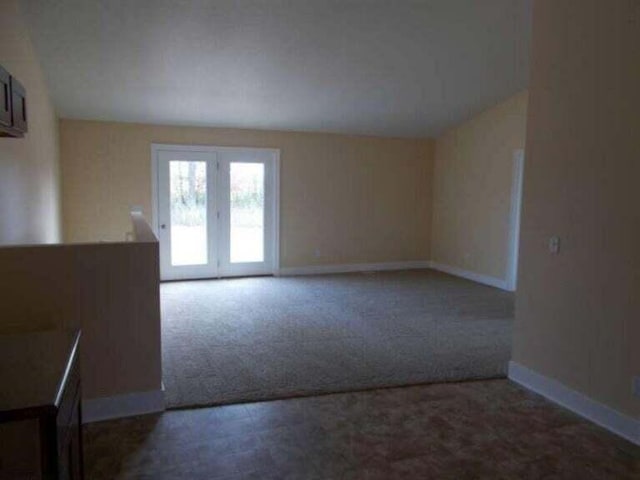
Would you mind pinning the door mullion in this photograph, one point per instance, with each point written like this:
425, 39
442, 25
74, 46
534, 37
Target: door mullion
212, 188
223, 220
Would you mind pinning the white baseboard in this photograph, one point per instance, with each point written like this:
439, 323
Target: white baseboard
354, 267
118, 406
606, 417
385, 266
476, 277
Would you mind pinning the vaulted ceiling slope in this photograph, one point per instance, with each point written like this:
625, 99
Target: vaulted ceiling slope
378, 67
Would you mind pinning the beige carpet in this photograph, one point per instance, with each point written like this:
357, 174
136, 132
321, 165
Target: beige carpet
246, 339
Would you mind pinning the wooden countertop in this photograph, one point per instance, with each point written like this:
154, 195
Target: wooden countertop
34, 369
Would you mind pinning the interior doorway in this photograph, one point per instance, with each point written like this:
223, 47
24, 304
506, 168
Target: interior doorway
216, 210
514, 220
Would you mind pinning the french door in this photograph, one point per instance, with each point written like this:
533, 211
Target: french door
216, 211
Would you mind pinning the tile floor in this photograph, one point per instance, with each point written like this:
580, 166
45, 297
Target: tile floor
484, 429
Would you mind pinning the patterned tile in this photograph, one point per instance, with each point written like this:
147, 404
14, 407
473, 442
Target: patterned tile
473, 430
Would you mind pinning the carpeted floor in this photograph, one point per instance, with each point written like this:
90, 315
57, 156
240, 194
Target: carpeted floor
246, 339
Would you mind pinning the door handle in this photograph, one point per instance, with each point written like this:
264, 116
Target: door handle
163, 226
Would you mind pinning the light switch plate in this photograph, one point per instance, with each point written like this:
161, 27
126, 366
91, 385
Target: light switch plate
554, 245
636, 386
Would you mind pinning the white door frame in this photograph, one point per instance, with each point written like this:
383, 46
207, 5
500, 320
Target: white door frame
514, 220
157, 147
210, 268
228, 155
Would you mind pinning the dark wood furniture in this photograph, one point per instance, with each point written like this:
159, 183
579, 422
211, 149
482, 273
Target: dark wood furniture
40, 379
13, 106
5, 98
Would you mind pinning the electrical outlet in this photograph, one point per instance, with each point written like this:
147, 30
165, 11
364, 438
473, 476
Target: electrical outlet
554, 245
636, 386
317, 252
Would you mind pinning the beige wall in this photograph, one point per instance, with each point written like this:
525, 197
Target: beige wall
473, 176
578, 312
111, 291
29, 190
355, 199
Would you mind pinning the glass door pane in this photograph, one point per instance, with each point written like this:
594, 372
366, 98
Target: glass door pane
188, 207
216, 211
246, 185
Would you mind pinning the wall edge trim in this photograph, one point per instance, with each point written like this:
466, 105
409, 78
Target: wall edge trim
594, 411
119, 406
469, 275
353, 267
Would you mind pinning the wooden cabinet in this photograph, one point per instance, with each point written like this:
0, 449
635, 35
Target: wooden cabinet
45, 388
18, 106
13, 106
5, 98
66, 437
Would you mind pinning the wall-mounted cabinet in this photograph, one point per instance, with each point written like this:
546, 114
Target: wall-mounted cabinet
13, 106
5, 98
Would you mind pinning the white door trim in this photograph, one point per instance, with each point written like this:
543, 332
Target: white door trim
210, 268
157, 147
511, 276
227, 156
